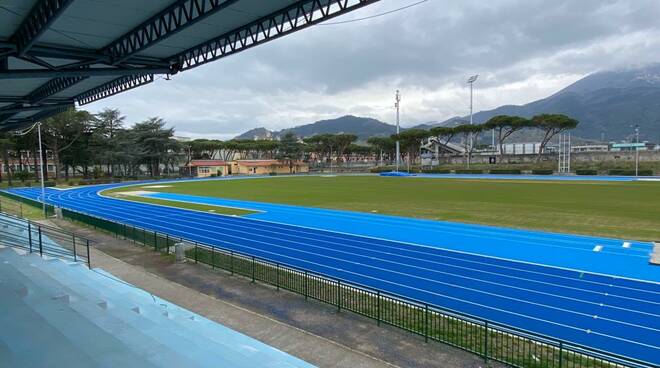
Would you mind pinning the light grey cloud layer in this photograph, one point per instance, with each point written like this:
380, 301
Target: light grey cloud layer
522, 49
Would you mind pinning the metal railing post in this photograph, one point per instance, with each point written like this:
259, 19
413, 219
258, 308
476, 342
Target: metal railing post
213, 258
231, 261
195, 252
253, 267
486, 342
75, 254
41, 245
426, 323
378, 307
338, 295
155, 242
30, 236
561, 355
277, 277
89, 259
306, 278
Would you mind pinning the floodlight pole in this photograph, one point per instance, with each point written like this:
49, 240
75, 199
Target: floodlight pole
636, 150
397, 100
471, 81
41, 160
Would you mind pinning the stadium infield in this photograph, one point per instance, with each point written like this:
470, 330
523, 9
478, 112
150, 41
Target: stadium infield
620, 209
606, 304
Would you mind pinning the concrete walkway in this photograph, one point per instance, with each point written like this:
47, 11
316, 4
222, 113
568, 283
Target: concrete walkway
312, 331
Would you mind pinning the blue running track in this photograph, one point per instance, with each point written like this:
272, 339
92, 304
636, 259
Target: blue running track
616, 314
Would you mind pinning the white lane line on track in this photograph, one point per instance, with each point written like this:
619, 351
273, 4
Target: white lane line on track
428, 247
487, 307
404, 274
89, 194
520, 237
367, 276
234, 226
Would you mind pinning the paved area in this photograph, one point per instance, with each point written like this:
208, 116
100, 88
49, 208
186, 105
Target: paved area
309, 330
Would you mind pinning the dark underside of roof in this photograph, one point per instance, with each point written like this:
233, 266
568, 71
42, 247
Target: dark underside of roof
57, 53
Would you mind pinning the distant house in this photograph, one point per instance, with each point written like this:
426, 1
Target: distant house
265, 167
206, 168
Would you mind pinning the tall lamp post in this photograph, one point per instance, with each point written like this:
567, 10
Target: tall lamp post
471, 81
636, 150
43, 186
397, 100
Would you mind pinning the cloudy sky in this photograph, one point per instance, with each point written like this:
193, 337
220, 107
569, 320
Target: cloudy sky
522, 49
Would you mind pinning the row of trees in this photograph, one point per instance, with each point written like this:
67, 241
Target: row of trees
85, 144
466, 134
92, 145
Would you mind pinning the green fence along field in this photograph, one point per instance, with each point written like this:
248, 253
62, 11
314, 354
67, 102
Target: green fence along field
614, 209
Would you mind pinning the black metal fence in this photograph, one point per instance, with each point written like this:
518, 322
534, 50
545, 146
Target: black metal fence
34, 237
491, 340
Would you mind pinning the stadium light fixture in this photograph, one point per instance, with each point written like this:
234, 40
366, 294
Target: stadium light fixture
471, 81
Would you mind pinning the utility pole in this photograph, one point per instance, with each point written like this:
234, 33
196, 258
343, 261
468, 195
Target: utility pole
397, 100
42, 154
471, 81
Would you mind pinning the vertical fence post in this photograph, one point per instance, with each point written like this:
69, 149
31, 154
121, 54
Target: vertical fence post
378, 307
167, 243
338, 295
306, 278
20, 208
155, 241
231, 261
30, 236
195, 252
486, 342
277, 277
89, 259
561, 355
213, 258
144, 237
75, 254
41, 245
426, 323
253, 266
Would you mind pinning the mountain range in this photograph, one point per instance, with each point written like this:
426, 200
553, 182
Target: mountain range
608, 105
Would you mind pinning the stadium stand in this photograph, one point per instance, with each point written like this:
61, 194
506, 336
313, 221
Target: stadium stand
59, 313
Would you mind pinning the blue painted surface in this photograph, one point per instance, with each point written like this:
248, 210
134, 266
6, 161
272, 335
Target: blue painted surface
108, 323
560, 250
603, 311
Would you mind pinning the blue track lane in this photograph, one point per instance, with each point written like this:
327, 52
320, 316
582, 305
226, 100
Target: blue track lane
614, 314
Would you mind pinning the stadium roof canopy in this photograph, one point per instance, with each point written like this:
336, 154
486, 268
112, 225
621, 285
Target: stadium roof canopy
55, 53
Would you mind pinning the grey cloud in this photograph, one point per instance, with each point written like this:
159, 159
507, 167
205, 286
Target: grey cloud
432, 47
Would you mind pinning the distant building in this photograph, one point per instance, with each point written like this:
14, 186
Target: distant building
591, 148
265, 167
206, 168
623, 147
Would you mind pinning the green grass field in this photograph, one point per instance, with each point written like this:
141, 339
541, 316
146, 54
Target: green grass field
628, 210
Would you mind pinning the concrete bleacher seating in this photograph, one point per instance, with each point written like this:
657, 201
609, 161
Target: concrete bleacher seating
56, 313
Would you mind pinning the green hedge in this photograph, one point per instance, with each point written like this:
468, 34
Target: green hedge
506, 171
586, 172
468, 171
621, 172
381, 169
542, 172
